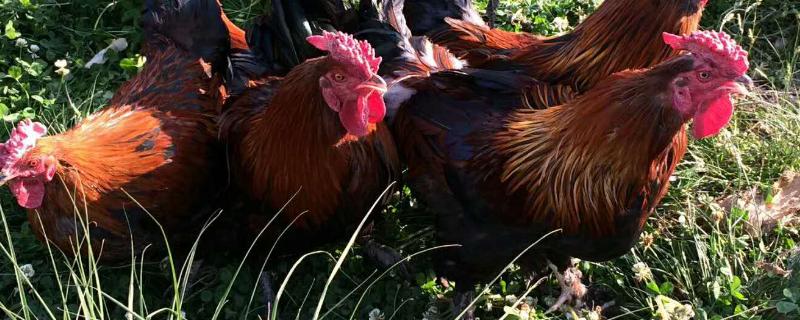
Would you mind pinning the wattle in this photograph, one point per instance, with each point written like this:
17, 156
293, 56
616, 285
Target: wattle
356, 116
377, 108
29, 192
712, 117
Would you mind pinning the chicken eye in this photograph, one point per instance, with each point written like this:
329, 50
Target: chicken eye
338, 77
33, 163
704, 75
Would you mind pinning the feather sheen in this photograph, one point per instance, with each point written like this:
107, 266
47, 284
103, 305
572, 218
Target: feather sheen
286, 139
150, 142
620, 35
580, 165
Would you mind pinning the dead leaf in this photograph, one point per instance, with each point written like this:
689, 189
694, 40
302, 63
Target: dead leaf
764, 216
773, 269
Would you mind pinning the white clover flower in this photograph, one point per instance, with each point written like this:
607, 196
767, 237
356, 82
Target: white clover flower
642, 272
27, 270
561, 23
375, 314
670, 309
62, 70
593, 315
21, 43
684, 312
34, 48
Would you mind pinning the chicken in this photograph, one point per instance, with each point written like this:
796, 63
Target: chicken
311, 147
501, 175
620, 35
149, 156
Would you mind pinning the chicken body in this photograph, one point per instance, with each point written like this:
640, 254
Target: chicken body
289, 151
150, 157
502, 175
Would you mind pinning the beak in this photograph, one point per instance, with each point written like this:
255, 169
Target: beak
376, 83
744, 84
746, 81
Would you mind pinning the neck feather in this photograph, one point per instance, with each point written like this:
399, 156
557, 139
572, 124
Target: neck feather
580, 165
109, 149
298, 111
296, 142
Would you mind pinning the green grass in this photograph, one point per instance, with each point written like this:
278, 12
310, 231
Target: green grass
698, 257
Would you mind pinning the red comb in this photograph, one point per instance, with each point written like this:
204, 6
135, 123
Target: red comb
345, 48
717, 45
21, 139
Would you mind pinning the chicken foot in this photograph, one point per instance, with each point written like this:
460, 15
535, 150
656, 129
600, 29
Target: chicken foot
571, 286
385, 257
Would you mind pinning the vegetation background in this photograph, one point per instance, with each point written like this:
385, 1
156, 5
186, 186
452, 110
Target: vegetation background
697, 258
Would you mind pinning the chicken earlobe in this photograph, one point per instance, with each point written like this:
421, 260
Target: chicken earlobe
329, 95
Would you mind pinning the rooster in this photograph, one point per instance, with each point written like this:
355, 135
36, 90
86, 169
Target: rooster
620, 35
501, 175
150, 153
310, 146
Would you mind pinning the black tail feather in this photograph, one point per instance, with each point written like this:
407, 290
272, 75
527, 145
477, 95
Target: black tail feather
425, 16
402, 53
277, 41
377, 28
194, 25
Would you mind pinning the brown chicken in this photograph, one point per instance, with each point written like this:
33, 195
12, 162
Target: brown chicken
151, 151
311, 146
620, 35
501, 175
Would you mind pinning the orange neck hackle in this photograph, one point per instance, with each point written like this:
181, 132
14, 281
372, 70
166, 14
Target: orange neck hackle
580, 174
